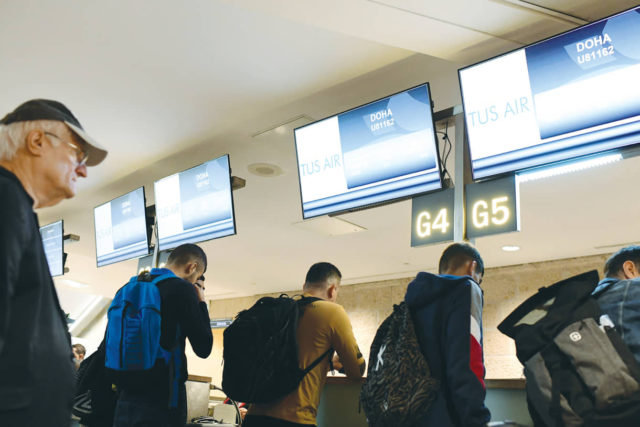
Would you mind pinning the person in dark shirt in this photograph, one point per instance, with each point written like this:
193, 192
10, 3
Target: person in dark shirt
145, 396
43, 152
79, 351
447, 313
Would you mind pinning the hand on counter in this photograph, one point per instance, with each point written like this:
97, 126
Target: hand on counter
337, 365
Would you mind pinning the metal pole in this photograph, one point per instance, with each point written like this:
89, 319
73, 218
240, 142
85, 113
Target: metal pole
154, 260
462, 176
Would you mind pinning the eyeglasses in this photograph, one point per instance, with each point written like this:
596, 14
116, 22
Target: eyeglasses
81, 155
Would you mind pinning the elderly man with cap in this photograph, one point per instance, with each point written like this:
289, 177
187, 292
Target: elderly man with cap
43, 151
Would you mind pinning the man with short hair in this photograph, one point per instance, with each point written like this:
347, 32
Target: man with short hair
144, 398
447, 310
618, 295
43, 152
78, 354
323, 325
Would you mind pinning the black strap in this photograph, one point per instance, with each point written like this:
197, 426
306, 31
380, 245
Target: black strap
315, 362
555, 409
303, 301
307, 300
550, 356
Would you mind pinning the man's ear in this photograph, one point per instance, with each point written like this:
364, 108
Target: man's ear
191, 268
332, 292
35, 142
630, 270
470, 267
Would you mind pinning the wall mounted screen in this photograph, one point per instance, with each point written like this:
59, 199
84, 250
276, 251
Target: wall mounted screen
121, 228
52, 241
381, 151
571, 95
195, 205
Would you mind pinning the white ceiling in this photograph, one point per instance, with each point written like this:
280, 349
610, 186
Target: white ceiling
169, 84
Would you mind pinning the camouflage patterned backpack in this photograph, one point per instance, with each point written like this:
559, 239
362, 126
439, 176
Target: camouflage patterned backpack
399, 388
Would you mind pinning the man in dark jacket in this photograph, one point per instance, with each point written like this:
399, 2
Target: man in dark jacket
448, 320
43, 151
145, 397
618, 295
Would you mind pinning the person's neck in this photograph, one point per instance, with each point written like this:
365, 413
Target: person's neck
25, 178
179, 272
174, 270
315, 293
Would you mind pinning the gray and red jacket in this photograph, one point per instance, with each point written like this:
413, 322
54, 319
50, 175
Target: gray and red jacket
447, 312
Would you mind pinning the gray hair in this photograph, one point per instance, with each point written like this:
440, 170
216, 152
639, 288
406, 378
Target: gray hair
13, 136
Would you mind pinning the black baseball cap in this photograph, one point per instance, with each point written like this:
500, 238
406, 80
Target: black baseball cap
46, 109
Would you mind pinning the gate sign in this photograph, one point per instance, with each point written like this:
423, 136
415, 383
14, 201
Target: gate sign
492, 207
432, 218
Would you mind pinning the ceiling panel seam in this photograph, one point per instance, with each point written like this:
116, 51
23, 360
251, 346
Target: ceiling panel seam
444, 21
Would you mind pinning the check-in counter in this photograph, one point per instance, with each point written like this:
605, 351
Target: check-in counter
197, 396
339, 403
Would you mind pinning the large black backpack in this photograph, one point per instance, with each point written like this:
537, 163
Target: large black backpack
579, 371
399, 388
95, 399
260, 353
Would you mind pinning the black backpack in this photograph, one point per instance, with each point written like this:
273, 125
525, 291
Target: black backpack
399, 388
579, 371
95, 399
260, 353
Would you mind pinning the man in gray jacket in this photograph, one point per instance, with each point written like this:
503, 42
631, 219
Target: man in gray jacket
618, 295
43, 152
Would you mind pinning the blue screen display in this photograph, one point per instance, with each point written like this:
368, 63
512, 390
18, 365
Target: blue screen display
52, 241
121, 228
569, 96
195, 205
381, 151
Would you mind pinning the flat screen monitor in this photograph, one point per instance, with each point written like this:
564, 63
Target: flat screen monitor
121, 228
572, 95
53, 243
195, 205
378, 152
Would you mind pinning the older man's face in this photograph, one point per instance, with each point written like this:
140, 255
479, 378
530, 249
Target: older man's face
62, 166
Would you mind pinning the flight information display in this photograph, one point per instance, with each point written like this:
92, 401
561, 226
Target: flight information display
195, 205
52, 241
381, 151
121, 228
569, 96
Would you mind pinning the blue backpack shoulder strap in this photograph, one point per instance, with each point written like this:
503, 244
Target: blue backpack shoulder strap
126, 290
162, 277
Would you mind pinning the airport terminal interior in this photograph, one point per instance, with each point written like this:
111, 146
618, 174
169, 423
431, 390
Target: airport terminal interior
238, 91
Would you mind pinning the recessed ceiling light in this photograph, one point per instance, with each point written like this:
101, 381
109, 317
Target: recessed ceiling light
510, 248
265, 169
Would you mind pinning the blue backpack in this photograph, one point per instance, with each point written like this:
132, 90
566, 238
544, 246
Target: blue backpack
133, 329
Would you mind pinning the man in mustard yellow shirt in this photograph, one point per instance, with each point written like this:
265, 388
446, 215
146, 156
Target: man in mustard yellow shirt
324, 325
